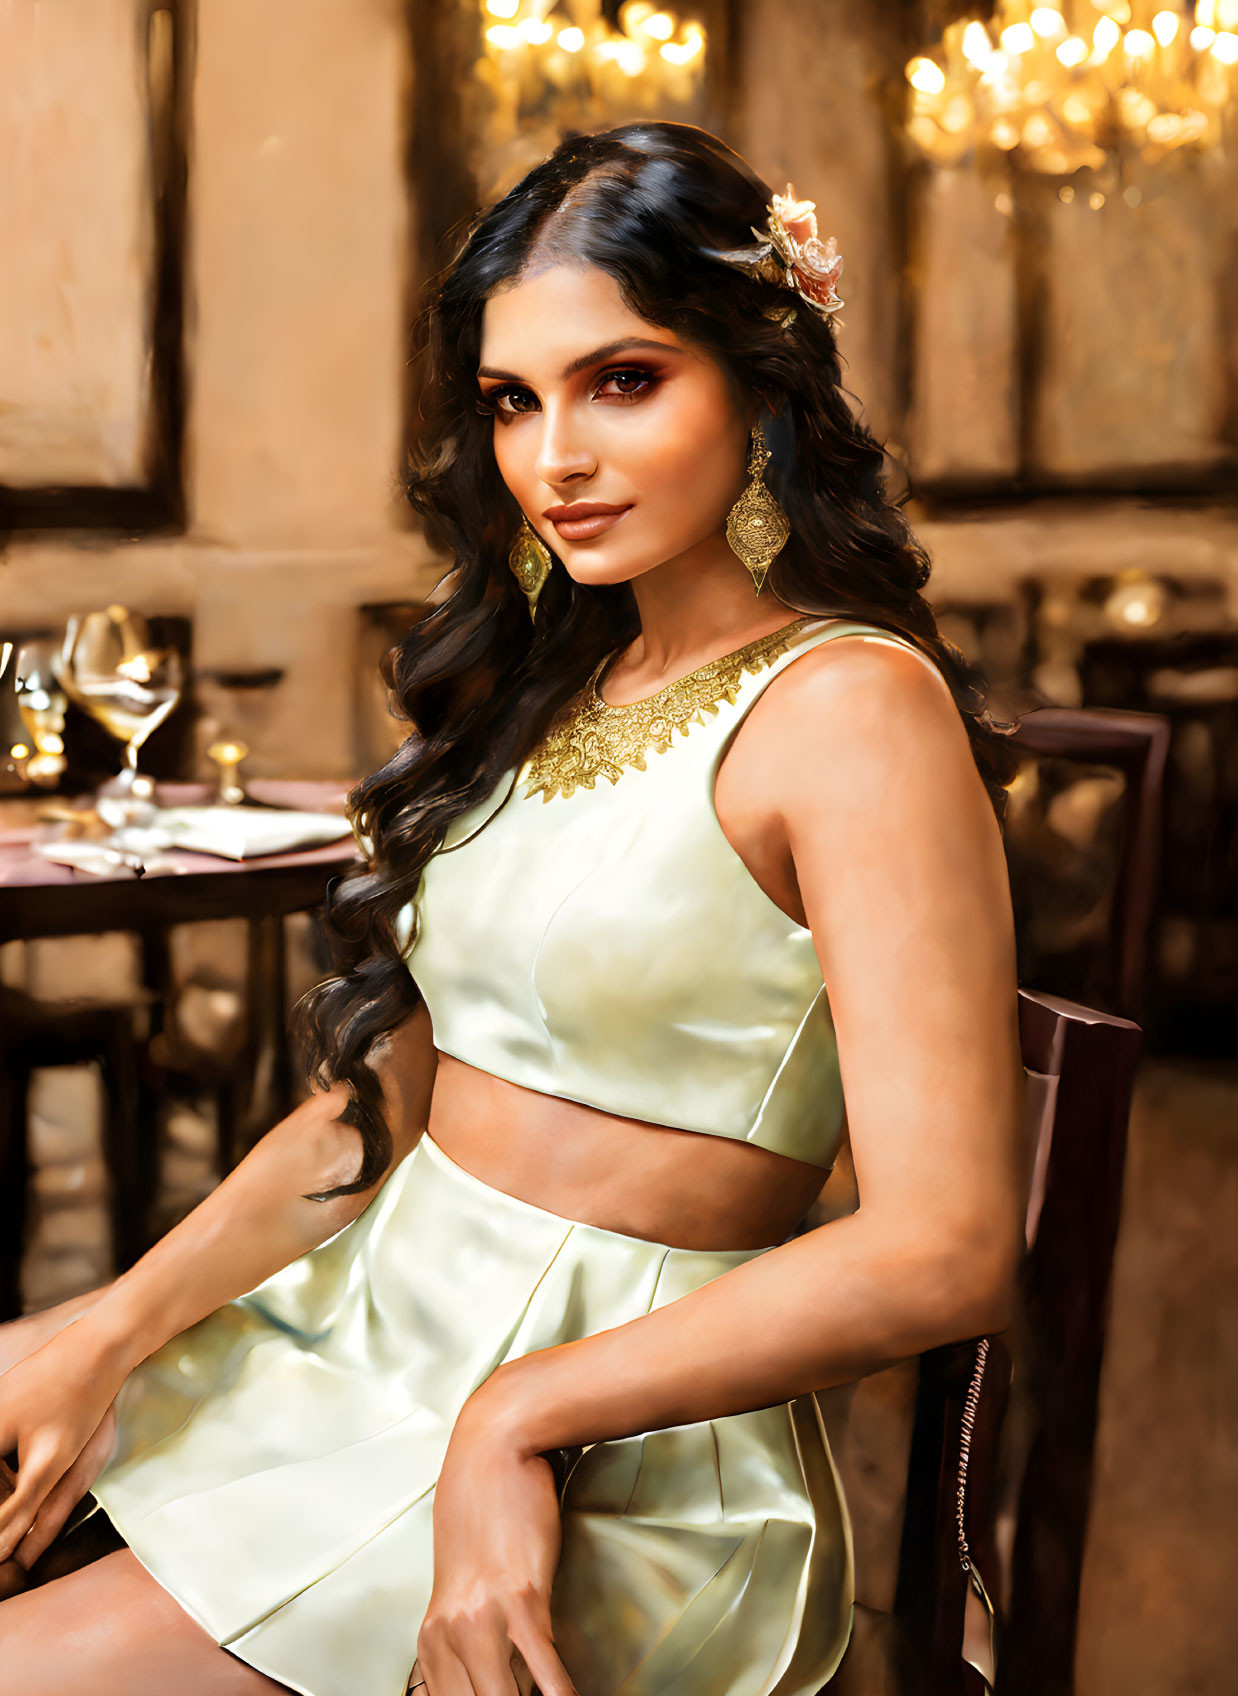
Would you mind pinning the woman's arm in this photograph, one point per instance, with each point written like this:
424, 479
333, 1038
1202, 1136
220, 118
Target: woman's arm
55, 1400
257, 1220
864, 760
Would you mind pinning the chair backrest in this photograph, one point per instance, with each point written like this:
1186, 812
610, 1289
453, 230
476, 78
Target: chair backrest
1025, 1423
1137, 745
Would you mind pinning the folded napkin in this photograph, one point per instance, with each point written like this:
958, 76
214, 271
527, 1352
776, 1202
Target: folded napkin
243, 833
95, 857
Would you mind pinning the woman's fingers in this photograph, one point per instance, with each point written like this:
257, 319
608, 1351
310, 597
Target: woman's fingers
477, 1650
67, 1493
530, 1632
36, 1475
548, 1670
440, 1665
525, 1682
488, 1669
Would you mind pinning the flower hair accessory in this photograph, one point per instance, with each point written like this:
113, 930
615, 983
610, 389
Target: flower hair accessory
791, 253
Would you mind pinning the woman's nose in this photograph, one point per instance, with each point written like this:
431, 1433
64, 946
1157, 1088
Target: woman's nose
562, 453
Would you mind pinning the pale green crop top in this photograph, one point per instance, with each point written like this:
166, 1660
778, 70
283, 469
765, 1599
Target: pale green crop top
609, 946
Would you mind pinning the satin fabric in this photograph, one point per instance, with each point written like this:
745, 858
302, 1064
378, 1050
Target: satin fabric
610, 947
274, 1466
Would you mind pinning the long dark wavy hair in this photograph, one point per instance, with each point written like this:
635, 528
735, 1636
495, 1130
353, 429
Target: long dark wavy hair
477, 682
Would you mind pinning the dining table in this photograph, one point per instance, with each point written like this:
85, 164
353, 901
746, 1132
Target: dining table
42, 898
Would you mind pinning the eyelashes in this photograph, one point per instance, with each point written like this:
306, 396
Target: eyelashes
489, 402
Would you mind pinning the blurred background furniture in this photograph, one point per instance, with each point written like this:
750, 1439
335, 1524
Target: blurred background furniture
1084, 827
143, 1054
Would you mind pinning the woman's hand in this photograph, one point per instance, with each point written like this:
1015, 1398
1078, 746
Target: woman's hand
497, 1534
56, 1412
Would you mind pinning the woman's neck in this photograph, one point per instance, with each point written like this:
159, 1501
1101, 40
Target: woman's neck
693, 608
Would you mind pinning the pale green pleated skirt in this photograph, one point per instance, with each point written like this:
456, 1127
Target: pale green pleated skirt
274, 1466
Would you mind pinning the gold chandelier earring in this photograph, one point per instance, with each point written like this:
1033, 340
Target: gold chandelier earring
756, 525
530, 560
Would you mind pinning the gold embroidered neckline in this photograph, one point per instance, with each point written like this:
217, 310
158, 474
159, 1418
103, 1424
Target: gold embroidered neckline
590, 738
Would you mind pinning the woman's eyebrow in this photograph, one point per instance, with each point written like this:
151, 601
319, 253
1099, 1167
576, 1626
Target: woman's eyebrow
586, 359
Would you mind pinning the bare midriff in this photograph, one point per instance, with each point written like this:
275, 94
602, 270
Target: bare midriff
653, 1181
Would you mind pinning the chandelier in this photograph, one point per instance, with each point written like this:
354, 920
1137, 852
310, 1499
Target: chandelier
570, 46
550, 66
1078, 83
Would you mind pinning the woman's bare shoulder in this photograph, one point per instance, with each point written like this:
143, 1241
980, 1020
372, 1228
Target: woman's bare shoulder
857, 717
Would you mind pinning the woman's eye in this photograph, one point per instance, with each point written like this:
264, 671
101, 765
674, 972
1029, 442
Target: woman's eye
492, 401
511, 401
642, 377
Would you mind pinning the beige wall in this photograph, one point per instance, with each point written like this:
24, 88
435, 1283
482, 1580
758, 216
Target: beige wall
75, 238
297, 304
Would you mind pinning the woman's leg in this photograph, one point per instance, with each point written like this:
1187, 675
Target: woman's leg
110, 1628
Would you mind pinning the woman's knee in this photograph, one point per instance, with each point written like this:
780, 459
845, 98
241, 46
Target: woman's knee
111, 1628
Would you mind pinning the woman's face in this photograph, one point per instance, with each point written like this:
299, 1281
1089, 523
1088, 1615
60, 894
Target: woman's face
594, 406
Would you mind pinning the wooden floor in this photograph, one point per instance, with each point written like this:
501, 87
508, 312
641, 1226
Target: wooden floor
1158, 1610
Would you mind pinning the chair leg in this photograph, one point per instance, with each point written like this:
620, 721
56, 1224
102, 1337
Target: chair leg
130, 1147
14, 1180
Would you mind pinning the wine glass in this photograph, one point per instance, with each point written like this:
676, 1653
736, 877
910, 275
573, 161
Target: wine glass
111, 665
41, 703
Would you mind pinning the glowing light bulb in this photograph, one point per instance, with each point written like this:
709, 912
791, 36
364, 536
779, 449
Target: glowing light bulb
1018, 38
571, 40
928, 77
502, 8
1201, 39
1073, 51
1105, 38
630, 58
977, 48
1225, 47
633, 15
1076, 110
661, 26
535, 31
1048, 22
1138, 44
683, 52
1165, 27
504, 37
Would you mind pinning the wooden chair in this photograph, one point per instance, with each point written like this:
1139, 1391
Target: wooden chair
1021, 1523
1136, 745
35, 1034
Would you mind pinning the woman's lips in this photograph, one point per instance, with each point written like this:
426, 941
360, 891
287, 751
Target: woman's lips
582, 529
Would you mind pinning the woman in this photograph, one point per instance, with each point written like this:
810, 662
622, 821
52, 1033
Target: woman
494, 1361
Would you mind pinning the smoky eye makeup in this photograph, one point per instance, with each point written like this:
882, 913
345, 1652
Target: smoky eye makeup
632, 382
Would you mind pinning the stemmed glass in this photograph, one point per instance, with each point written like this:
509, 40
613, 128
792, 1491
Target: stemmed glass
114, 669
41, 703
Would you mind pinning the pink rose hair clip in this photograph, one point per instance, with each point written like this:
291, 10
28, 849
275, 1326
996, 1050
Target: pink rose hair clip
789, 252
